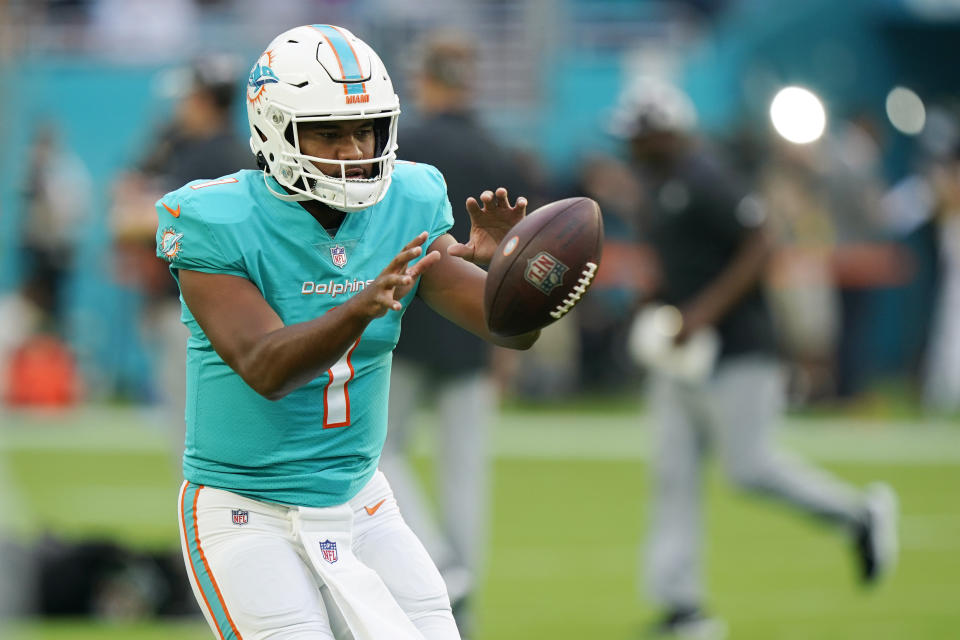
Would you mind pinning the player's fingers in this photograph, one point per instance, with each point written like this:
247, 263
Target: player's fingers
521, 204
487, 199
459, 250
502, 198
419, 240
399, 262
423, 264
474, 209
393, 280
407, 255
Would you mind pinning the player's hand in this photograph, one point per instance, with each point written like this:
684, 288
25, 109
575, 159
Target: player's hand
490, 220
396, 280
693, 319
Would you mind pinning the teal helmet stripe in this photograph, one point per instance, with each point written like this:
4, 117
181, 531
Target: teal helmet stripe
349, 64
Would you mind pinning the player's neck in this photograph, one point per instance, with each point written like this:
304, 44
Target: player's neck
328, 217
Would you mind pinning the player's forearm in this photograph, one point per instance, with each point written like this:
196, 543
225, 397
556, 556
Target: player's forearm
460, 299
732, 284
288, 358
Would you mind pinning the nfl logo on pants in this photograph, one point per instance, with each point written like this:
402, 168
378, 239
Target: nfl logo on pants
240, 517
329, 551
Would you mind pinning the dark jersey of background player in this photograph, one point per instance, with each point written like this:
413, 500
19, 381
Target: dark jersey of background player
697, 220
449, 136
440, 139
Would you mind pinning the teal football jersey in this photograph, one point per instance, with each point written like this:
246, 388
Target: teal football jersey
320, 444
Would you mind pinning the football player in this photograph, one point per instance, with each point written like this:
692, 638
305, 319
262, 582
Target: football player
293, 281
715, 379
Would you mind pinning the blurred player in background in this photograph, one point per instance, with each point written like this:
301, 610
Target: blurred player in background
436, 360
715, 379
57, 197
294, 280
198, 142
941, 380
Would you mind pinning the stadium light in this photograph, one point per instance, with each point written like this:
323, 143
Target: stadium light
906, 111
798, 115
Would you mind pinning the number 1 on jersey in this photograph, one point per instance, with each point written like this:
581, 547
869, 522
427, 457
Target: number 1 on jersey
336, 397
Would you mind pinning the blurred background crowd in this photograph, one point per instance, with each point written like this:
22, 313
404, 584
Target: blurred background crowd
105, 100
843, 118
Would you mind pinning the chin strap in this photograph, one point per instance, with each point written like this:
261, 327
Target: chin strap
288, 197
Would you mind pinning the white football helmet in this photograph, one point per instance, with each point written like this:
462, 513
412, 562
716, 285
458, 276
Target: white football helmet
321, 73
649, 104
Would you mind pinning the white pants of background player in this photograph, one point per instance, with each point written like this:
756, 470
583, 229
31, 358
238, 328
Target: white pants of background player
736, 411
465, 407
354, 571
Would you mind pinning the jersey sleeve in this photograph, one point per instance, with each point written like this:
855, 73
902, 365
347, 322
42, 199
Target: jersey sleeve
187, 241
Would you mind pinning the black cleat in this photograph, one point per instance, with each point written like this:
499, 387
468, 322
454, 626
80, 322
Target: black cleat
877, 546
689, 624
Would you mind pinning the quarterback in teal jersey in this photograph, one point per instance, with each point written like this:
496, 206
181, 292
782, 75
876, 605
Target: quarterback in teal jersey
293, 281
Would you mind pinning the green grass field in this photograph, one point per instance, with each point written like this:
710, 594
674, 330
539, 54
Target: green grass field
570, 506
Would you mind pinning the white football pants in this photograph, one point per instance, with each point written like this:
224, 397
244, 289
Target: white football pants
354, 571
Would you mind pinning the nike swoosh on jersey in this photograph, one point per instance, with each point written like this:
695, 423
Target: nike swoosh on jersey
174, 212
372, 510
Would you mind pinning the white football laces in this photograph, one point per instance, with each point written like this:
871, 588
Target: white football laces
586, 277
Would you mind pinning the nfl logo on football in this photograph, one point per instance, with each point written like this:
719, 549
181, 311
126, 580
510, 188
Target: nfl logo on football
240, 517
339, 256
329, 551
545, 272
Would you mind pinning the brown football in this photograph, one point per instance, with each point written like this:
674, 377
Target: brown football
543, 266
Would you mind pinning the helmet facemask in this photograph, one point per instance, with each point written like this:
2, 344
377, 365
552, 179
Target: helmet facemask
303, 175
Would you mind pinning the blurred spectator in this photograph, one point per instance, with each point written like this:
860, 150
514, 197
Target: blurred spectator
715, 376
435, 360
803, 295
57, 199
941, 380
143, 29
838, 252
198, 142
850, 174
37, 369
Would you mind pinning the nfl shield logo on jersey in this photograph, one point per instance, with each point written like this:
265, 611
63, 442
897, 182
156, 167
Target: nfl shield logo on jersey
339, 255
240, 517
329, 551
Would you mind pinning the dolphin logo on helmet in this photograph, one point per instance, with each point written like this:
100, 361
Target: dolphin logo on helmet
260, 75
